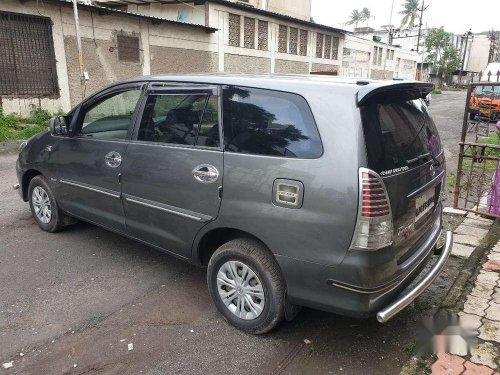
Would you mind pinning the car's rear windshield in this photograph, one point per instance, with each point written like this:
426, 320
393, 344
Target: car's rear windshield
395, 133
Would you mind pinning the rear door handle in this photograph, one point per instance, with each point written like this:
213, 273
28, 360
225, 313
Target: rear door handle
205, 173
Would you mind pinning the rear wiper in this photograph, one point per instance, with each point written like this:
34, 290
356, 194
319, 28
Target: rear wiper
423, 156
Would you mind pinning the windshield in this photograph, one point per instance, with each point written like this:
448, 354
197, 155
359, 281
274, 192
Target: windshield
397, 133
487, 91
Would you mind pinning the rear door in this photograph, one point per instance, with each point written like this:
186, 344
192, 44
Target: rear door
404, 148
172, 176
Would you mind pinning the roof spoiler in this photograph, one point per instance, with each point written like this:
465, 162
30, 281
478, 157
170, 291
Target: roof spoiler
393, 91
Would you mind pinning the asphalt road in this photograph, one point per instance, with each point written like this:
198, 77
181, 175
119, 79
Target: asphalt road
72, 302
447, 111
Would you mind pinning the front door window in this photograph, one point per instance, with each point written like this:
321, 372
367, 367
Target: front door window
111, 117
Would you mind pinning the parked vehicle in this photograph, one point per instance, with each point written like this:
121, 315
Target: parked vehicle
292, 191
485, 102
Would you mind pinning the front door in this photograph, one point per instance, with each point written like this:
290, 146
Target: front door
89, 163
172, 179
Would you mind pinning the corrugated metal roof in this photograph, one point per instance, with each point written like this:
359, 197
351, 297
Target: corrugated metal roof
104, 10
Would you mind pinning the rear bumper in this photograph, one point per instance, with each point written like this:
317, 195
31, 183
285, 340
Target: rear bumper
406, 298
320, 286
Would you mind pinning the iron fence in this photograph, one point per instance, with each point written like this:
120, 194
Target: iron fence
477, 187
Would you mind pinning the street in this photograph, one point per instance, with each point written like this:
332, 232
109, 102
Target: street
74, 301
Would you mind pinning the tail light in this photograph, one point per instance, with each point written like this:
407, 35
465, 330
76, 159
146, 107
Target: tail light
374, 223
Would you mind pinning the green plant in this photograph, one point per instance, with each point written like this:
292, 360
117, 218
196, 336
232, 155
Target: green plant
410, 347
436, 91
39, 116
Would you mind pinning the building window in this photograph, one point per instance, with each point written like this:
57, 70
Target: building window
249, 34
328, 46
319, 45
303, 42
335, 48
234, 30
294, 36
282, 39
27, 61
263, 35
128, 48
380, 52
375, 55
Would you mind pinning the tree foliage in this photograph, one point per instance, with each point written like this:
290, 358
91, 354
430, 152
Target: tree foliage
441, 52
355, 18
359, 16
410, 14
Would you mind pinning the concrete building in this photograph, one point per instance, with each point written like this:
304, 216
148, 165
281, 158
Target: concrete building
125, 38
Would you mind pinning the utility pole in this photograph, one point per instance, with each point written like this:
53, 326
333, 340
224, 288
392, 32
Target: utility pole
420, 24
79, 45
466, 36
493, 38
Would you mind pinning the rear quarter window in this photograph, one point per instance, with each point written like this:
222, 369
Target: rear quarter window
267, 122
398, 132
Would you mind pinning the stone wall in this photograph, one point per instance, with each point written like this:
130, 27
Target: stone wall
246, 64
325, 68
166, 60
291, 67
102, 65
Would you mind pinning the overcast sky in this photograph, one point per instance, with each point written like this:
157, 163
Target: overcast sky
455, 16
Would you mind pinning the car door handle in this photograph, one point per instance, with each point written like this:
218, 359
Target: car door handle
113, 159
206, 173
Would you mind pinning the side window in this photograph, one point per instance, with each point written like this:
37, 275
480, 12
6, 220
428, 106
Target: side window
266, 122
112, 116
180, 119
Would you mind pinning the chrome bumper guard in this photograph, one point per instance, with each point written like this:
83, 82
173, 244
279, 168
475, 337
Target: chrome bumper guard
407, 297
15, 186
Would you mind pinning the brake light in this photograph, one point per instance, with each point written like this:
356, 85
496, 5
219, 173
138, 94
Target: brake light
374, 223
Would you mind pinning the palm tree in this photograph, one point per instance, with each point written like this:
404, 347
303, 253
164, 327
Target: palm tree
410, 14
355, 18
366, 15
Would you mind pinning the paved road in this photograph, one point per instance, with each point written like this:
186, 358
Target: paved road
447, 110
79, 297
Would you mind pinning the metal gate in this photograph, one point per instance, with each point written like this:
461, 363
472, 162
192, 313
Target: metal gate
477, 187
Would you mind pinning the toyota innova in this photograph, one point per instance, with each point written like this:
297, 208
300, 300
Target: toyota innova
291, 190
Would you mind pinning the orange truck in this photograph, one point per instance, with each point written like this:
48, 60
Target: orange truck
485, 98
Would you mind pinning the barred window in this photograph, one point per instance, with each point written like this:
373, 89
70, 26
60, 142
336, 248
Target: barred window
249, 33
375, 55
27, 60
128, 48
319, 45
234, 30
335, 48
380, 51
294, 36
263, 35
303, 42
328, 46
283, 39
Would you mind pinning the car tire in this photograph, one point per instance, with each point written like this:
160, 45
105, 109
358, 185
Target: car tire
260, 312
44, 206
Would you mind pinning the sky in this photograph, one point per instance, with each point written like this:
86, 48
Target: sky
456, 16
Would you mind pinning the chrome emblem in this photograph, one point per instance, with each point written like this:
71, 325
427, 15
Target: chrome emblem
432, 170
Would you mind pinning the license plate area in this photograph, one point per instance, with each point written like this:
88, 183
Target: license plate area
424, 203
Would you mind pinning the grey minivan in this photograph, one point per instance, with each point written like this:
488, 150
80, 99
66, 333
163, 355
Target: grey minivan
292, 190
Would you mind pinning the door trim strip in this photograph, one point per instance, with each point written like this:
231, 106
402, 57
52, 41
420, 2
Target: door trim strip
169, 209
91, 188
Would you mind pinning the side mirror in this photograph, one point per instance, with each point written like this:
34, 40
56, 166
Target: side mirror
58, 125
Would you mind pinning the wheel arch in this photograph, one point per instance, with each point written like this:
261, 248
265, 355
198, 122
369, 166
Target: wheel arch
27, 177
212, 239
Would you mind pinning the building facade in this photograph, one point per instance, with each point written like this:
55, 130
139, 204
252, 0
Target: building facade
39, 61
